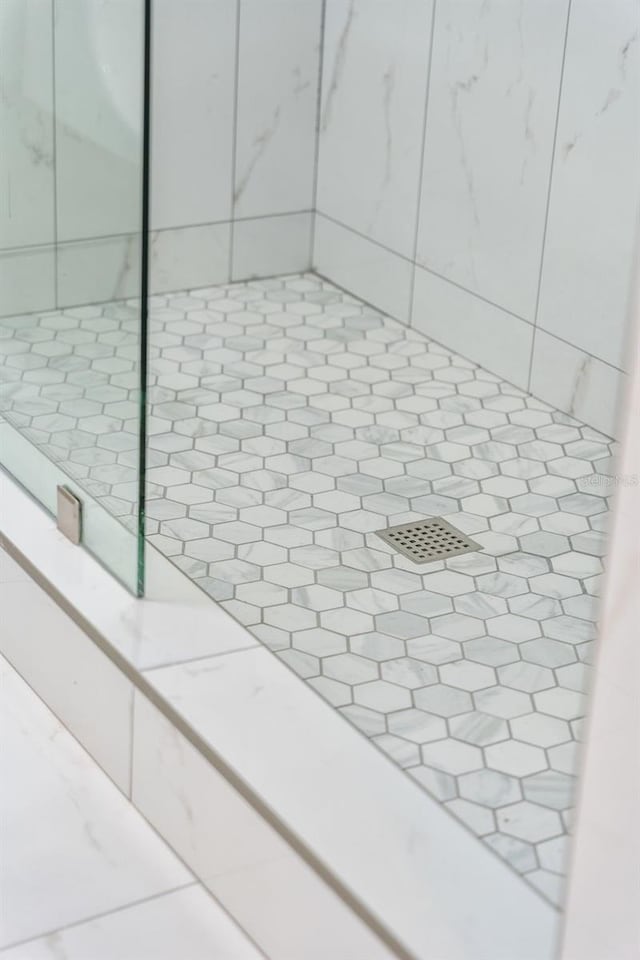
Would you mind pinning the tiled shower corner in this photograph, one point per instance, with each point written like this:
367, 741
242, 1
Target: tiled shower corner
290, 422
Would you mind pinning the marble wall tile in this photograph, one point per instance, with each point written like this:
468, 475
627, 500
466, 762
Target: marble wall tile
194, 53
497, 340
577, 383
189, 257
98, 270
98, 88
279, 44
70, 673
363, 267
595, 194
494, 85
376, 58
27, 280
26, 121
267, 246
183, 923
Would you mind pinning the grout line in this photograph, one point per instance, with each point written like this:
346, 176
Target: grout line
205, 656
402, 256
99, 916
125, 236
421, 168
548, 204
316, 168
234, 142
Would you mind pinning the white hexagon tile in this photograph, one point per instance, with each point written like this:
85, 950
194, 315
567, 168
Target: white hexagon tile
289, 422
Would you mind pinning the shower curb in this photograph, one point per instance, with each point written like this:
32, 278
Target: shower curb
338, 872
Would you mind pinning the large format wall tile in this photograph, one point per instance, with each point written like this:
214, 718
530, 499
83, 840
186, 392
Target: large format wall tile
26, 122
363, 267
27, 280
596, 181
189, 257
266, 246
98, 270
98, 89
376, 58
478, 330
494, 85
577, 383
194, 44
279, 45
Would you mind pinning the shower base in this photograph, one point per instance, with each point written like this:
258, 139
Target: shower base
289, 423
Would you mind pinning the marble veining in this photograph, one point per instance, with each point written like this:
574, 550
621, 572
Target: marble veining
288, 423
278, 66
595, 187
486, 168
372, 117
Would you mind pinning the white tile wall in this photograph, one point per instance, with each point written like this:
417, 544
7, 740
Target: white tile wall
278, 57
98, 108
498, 82
474, 328
27, 280
193, 90
100, 269
235, 89
189, 257
362, 267
576, 382
486, 96
26, 121
376, 58
595, 194
78, 682
492, 105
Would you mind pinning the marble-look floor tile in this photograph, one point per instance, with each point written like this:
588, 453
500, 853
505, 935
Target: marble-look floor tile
186, 923
72, 846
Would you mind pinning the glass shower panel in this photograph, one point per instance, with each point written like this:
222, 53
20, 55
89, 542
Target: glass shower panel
72, 287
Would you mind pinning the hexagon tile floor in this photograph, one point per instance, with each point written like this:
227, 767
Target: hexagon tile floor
290, 422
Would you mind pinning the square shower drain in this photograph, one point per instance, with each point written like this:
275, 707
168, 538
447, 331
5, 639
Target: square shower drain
427, 540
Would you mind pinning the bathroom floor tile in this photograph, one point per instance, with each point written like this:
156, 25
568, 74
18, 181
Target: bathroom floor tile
289, 422
184, 923
83, 874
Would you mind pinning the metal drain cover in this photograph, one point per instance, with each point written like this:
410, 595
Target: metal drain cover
427, 540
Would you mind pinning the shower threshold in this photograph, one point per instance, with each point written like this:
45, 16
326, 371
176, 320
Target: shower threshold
289, 424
